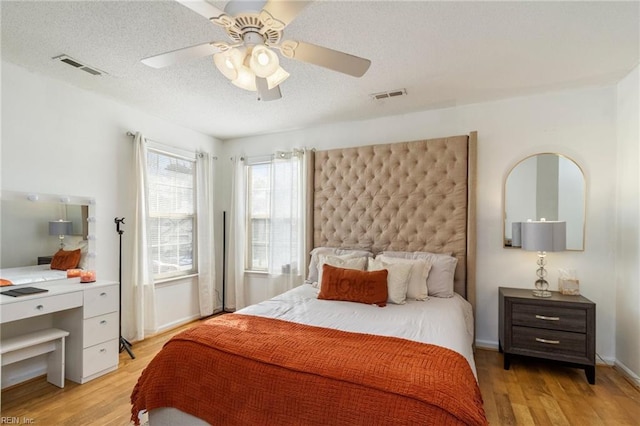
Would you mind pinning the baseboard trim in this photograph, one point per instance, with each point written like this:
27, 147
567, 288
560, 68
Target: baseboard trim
627, 373
11, 381
492, 345
487, 344
177, 323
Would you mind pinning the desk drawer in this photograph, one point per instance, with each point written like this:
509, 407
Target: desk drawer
549, 317
100, 329
31, 307
99, 357
101, 300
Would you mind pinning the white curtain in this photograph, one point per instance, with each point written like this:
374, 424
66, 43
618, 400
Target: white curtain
237, 219
205, 237
144, 288
286, 227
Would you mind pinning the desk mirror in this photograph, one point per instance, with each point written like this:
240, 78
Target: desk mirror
549, 186
26, 240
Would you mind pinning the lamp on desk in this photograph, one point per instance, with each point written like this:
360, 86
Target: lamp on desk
60, 228
543, 236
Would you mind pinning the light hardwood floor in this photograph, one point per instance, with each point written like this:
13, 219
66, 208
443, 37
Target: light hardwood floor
531, 393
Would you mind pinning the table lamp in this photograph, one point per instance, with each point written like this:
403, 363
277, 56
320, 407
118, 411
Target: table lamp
543, 236
60, 228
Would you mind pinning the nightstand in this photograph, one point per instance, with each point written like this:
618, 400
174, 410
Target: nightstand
560, 328
44, 260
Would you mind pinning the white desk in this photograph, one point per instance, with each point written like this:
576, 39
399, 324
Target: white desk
89, 312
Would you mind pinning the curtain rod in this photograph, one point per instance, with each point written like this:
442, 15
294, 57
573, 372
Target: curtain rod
129, 133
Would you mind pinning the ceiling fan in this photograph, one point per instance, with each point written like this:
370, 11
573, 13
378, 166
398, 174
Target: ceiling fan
256, 30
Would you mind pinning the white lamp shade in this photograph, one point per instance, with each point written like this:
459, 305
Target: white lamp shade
225, 66
60, 227
246, 79
228, 62
544, 236
264, 62
277, 77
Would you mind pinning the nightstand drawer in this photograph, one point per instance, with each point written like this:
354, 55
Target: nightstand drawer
550, 341
549, 317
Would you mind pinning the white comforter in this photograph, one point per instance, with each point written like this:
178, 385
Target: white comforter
32, 274
446, 322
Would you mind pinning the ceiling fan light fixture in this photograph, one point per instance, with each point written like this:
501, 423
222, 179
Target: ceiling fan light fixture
263, 61
222, 63
228, 63
246, 79
277, 77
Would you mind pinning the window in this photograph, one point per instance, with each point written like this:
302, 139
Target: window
274, 214
172, 225
258, 210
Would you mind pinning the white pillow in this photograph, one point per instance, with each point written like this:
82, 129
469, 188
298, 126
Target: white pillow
312, 277
443, 269
346, 262
417, 288
83, 245
398, 276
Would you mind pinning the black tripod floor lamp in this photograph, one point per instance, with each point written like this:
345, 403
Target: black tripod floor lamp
124, 343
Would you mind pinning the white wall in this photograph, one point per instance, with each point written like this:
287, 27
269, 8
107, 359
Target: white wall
628, 226
58, 139
580, 124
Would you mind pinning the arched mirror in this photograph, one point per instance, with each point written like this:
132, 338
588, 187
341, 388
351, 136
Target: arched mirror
549, 186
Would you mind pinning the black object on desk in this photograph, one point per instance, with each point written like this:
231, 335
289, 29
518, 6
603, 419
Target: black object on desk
24, 291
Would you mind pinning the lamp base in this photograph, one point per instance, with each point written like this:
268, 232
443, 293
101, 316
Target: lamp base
541, 293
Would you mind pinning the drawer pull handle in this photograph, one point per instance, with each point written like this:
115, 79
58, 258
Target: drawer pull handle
102, 350
542, 317
39, 307
103, 322
103, 294
551, 342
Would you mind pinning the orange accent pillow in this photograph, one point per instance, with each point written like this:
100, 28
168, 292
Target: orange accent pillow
4, 283
351, 285
64, 260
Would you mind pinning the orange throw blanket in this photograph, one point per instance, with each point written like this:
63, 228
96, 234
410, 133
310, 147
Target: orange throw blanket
245, 370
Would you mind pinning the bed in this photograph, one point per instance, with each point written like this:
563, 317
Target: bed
31, 274
61, 261
301, 359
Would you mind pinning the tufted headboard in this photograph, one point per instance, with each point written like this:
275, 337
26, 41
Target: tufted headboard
409, 196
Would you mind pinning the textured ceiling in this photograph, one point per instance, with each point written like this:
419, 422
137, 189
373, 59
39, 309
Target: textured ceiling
442, 53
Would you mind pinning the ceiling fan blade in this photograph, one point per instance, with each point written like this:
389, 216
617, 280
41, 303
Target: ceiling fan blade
264, 94
203, 8
179, 55
284, 11
325, 57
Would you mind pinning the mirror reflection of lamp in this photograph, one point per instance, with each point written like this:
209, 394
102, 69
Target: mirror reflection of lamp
543, 236
60, 228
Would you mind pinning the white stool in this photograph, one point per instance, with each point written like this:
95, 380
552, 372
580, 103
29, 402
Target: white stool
39, 342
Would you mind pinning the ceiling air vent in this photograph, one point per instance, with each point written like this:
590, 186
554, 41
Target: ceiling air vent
390, 94
77, 64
